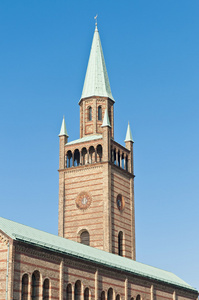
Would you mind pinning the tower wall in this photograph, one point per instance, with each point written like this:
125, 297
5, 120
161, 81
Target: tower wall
88, 179
89, 127
122, 220
101, 180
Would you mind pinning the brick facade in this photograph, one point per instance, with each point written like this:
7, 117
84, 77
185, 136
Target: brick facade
104, 179
63, 270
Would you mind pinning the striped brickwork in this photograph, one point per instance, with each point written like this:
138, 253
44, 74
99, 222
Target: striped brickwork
94, 126
121, 220
3, 267
62, 270
90, 180
103, 178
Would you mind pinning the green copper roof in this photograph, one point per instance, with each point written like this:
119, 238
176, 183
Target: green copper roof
86, 139
63, 130
106, 121
61, 245
96, 81
128, 134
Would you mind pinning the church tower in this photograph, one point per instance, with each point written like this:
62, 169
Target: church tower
96, 179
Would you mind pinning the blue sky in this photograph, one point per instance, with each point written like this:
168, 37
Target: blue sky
151, 52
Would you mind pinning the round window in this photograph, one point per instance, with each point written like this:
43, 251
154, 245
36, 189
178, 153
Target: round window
120, 202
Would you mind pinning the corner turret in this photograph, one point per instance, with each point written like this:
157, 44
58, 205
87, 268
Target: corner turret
129, 145
106, 132
63, 139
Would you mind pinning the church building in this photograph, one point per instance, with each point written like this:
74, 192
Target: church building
94, 254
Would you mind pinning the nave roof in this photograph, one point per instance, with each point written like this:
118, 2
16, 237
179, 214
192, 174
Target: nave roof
32, 236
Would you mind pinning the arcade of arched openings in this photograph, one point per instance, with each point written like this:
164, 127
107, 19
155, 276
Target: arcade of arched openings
119, 158
79, 289
91, 155
35, 282
84, 156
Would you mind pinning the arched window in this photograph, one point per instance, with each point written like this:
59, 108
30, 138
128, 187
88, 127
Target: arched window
69, 159
84, 238
126, 163
122, 161
99, 153
35, 286
117, 297
103, 295
86, 294
90, 113
76, 158
118, 159
69, 292
120, 243
138, 297
110, 294
114, 156
91, 155
46, 289
84, 157
78, 290
99, 113
24, 288
109, 115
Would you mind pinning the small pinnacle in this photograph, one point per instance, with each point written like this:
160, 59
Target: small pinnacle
63, 130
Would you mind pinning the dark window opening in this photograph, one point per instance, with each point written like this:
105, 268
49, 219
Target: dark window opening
24, 290
90, 113
78, 290
46, 289
69, 292
35, 286
85, 238
120, 243
99, 113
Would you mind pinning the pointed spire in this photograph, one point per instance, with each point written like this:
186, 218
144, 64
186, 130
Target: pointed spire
63, 130
106, 121
96, 81
129, 134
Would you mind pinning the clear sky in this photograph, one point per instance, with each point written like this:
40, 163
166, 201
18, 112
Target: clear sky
151, 50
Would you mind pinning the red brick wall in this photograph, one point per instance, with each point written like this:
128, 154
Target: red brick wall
3, 269
121, 220
88, 179
62, 270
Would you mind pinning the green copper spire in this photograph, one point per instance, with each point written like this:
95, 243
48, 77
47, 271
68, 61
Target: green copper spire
96, 81
63, 130
128, 134
106, 121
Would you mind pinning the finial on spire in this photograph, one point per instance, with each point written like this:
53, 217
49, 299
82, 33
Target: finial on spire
95, 20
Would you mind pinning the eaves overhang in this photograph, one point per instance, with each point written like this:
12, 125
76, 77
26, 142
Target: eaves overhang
100, 262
